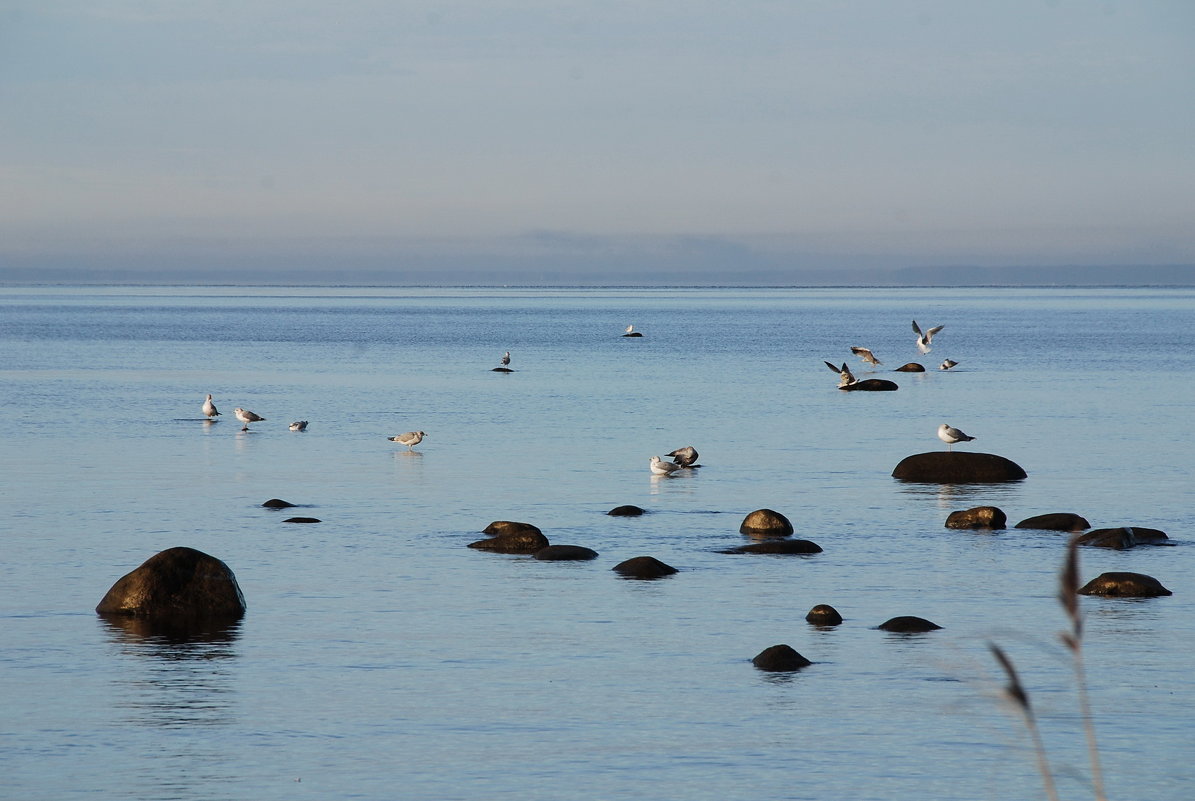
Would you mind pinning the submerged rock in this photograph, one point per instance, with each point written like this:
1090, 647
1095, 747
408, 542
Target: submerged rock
1056, 521
871, 385
823, 615
957, 467
911, 367
643, 567
777, 546
908, 624
626, 511
766, 523
178, 585
780, 659
302, 520
277, 503
1122, 538
1125, 585
977, 517
565, 553
508, 536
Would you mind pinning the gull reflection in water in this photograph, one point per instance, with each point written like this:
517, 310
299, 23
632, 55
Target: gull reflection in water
175, 676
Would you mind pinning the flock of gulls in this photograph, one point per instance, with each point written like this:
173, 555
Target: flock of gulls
682, 458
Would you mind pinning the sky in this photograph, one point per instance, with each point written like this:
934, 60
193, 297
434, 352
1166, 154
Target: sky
663, 138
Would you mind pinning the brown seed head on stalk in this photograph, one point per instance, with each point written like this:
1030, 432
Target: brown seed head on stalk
1014, 689
1068, 595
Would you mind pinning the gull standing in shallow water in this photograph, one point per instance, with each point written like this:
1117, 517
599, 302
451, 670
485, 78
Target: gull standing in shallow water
247, 417
661, 468
947, 364
923, 340
410, 439
951, 435
866, 355
209, 408
298, 425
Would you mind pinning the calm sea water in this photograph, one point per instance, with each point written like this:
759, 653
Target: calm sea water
380, 658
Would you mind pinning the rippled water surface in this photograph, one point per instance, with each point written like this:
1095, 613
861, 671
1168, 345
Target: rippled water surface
381, 658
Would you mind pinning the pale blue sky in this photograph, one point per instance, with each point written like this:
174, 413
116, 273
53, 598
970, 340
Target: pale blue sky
758, 134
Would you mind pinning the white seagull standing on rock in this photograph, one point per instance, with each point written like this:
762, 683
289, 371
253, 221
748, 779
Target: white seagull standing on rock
410, 439
661, 468
209, 408
923, 340
506, 358
247, 417
951, 435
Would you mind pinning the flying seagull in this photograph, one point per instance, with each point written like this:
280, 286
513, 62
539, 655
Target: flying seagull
951, 435
845, 376
410, 439
209, 408
923, 340
866, 355
661, 468
247, 417
946, 365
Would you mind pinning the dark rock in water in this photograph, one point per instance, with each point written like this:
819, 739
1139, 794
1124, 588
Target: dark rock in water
766, 523
502, 370
1121, 538
823, 615
633, 334
277, 503
777, 546
511, 537
643, 567
1125, 585
1117, 539
1055, 521
957, 467
907, 624
911, 367
179, 585
977, 517
565, 553
871, 385
626, 511
501, 527
302, 520
780, 659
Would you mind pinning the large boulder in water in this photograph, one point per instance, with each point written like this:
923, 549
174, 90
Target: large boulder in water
780, 659
1125, 585
977, 517
911, 367
957, 467
766, 523
177, 586
511, 537
1056, 521
823, 615
626, 511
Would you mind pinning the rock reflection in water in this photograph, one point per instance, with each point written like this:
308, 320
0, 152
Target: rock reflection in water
175, 676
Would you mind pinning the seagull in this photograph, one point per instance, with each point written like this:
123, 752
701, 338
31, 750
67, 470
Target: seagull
209, 408
506, 358
845, 376
630, 329
661, 468
685, 457
298, 425
951, 435
410, 439
946, 365
866, 355
247, 417
923, 340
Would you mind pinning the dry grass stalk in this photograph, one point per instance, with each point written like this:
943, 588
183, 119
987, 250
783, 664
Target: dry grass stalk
1016, 691
1068, 594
